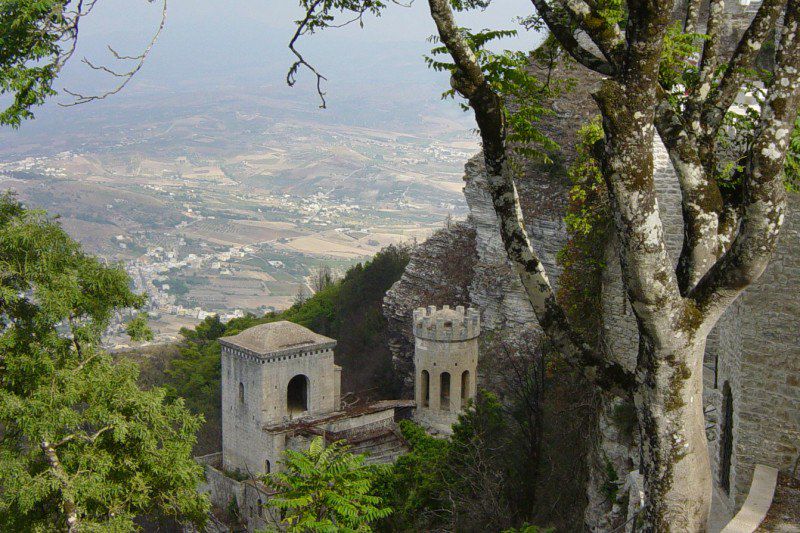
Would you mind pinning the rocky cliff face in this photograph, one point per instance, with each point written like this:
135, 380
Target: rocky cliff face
440, 272
466, 264
482, 275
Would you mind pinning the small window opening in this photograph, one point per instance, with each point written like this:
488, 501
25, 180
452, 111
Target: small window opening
425, 387
444, 394
464, 388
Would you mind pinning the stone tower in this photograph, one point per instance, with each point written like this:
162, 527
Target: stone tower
445, 364
272, 373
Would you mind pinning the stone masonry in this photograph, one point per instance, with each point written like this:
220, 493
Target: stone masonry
445, 364
257, 368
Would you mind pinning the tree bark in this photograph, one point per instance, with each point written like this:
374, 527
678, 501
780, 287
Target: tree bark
673, 455
67, 503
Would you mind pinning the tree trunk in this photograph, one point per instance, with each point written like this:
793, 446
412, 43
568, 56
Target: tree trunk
67, 503
674, 450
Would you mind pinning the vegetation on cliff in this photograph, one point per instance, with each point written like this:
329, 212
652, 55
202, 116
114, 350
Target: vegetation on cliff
588, 222
477, 480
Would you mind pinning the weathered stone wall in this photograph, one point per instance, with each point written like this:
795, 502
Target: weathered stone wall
245, 446
766, 391
441, 349
221, 489
249, 497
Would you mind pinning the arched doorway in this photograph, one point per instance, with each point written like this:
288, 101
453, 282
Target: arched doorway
297, 396
464, 388
425, 388
444, 391
726, 441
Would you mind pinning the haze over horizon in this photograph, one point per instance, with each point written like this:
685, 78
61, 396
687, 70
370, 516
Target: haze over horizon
243, 48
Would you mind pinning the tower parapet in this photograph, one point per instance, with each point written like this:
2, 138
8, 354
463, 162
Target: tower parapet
446, 324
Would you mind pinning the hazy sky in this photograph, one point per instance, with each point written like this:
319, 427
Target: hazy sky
246, 39
213, 47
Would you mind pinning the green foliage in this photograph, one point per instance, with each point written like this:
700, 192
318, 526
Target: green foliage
78, 433
326, 489
736, 137
675, 68
321, 14
465, 5
588, 222
612, 11
792, 169
138, 330
527, 528
414, 485
445, 483
32, 36
611, 484
522, 94
233, 510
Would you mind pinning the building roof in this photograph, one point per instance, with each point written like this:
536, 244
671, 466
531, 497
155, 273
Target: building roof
273, 337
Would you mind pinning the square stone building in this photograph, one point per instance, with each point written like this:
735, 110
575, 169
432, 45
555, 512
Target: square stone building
280, 389
271, 374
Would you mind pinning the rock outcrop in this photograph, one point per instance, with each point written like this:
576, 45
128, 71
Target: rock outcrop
439, 273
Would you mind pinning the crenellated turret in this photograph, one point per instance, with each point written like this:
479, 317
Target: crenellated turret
447, 325
445, 362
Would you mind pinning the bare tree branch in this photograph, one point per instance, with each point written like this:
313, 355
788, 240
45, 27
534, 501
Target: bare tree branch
692, 16
720, 98
607, 36
291, 76
563, 33
701, 200
126, 75
61, 475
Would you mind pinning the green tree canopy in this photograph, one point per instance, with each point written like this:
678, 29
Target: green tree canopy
82, 446
326, 489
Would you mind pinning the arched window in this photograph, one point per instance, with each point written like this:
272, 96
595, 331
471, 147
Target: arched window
425, 388
260, 507
726, 442
464, 388
267, 467
444, 391
241, 392
297, 395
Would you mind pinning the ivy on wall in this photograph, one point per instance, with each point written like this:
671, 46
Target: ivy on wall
588, 221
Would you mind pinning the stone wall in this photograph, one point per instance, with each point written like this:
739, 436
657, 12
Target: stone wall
249, 496
444, 351
245, 446
766, 389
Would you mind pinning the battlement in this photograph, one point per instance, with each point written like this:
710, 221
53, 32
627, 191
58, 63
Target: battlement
446, 324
